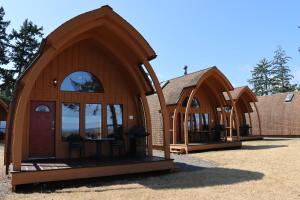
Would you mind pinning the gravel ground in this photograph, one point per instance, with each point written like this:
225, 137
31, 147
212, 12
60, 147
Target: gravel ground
186, 162
266, 170
4, 182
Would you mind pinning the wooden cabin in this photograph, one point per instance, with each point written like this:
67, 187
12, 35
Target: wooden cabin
196, 108
80, 109
3, 117
279, 115
243, 98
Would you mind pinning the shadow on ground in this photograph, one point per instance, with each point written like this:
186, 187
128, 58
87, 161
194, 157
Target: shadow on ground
277, 139
260, 147
185, 176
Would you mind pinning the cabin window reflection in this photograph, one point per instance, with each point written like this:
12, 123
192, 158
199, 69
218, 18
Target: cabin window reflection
114, 121
93, 113
205, 118
81, 81
195, 103
2, 127
69, 119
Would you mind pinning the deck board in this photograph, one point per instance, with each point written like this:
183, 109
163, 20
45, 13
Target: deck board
57, 170
56, 164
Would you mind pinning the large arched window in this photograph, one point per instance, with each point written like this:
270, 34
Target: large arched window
195, 103
81, 81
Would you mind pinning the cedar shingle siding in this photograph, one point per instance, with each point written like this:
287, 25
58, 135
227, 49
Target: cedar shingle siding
156, 120
278, 118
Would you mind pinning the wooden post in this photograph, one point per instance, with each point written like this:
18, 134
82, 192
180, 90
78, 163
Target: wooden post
175, 115
237, 121
250, 121
186, 117
148, 123
224, 121
163, 107
231, 123
258, 117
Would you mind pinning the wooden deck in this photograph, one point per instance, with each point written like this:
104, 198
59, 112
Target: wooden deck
246, 138
57, 170
204, 146
251, 137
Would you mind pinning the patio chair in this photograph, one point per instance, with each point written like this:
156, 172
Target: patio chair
118, 142
76, 142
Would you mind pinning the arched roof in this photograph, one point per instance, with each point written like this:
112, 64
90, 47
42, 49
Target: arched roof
175, 87
101, 23
243, 92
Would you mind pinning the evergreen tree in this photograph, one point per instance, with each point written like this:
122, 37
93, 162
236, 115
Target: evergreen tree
281, 73
4, 59
25, 44
8, 85
4, 42
261, 78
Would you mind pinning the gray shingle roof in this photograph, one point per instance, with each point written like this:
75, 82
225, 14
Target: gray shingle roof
173, 89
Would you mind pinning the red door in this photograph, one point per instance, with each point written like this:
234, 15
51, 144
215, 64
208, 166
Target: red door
42, 129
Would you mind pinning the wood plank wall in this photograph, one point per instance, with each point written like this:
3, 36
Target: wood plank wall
119, 87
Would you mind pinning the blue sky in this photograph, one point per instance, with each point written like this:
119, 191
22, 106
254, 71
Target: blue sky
232, 34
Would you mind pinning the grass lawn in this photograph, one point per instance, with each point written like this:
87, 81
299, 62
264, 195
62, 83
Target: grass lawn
268, 169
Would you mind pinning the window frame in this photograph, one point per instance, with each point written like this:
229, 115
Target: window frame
64, 139
101, 89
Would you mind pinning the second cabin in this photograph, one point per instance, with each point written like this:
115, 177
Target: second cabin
196, 108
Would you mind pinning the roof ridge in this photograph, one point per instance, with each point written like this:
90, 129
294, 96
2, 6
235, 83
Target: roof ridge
188, 74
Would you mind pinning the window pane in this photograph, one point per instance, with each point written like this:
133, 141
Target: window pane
195, 103
92, 120
81, 81
197, 121
42, 108
205, 121
114, 119
2, 127
69, 119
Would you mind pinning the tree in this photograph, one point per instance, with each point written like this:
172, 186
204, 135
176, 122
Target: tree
8, 86
4, 42
25, 44
281, 73
261, 78
4, 59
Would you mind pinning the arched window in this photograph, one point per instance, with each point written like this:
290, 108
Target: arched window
195, 103
42, 108
81, 81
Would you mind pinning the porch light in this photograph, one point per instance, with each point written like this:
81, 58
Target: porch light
55, 82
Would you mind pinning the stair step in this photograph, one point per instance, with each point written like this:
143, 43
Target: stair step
177, 150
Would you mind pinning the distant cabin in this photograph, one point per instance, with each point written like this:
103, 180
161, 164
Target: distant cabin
279, 113
197, 116
245, 102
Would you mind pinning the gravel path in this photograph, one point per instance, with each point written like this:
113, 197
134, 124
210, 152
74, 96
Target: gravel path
4, 182
186, 162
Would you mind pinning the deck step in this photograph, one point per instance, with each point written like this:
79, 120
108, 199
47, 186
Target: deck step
178, 150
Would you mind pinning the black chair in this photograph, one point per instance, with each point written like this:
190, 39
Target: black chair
118, 142
76, 142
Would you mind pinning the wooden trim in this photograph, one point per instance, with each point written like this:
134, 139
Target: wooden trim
163, 108
258, 117
250, 121
19, 178
186, 117
147, 115
175, 116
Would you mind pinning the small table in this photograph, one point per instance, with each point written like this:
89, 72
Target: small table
98, 142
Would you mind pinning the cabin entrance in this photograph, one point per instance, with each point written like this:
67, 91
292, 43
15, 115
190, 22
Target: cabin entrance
42, 129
